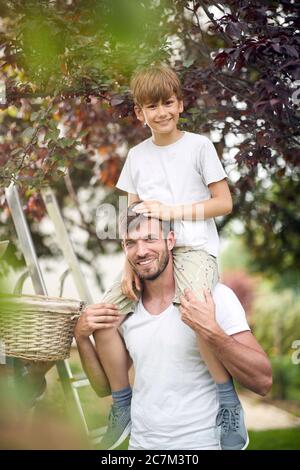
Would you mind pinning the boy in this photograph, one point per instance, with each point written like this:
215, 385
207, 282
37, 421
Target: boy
179, 177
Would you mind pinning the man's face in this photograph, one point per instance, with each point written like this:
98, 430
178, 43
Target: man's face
147, 250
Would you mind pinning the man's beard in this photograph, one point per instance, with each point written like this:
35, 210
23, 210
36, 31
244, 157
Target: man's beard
161, 267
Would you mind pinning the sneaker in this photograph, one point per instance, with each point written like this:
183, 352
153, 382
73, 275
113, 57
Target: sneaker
119, 426
233, 432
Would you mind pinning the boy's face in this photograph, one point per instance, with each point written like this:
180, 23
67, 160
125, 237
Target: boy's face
161, 117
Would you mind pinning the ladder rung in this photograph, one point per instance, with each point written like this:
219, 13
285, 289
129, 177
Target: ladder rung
97, 434
80, 383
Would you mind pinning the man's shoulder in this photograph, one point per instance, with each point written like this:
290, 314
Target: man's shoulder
223, 294
230, 313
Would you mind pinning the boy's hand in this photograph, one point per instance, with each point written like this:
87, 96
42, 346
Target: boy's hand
96, 317
154, 209
129, 280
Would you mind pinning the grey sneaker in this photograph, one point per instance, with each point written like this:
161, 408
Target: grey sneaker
119, 426
233, 432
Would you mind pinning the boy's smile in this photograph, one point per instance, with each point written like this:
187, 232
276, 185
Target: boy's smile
162, 118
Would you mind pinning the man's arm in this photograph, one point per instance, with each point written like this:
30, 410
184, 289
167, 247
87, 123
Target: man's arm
243, 358
240, 353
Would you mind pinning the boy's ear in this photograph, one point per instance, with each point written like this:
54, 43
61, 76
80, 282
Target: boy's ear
139, 113
181, 107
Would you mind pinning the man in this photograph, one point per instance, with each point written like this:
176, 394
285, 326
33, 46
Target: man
174, 402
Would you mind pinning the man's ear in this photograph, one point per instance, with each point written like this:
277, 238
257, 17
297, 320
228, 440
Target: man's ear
139, 113
171, 240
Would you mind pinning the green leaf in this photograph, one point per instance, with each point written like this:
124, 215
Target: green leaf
34, 116
194, 110
28, 133
52, 135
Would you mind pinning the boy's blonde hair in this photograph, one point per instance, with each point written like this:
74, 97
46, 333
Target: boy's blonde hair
154, 83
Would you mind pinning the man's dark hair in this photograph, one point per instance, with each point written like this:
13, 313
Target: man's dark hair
131, 220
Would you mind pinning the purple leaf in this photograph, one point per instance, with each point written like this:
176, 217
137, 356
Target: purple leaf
116, 100
291, 51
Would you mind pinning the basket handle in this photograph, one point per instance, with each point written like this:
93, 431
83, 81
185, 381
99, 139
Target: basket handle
62, 281
20, 282
82, 304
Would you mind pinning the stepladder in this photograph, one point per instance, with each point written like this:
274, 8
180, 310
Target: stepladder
71, 383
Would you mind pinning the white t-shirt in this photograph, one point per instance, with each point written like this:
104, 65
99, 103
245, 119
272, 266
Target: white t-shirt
178, 173
174, 403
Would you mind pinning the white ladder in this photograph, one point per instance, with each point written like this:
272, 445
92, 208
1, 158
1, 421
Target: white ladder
70, 382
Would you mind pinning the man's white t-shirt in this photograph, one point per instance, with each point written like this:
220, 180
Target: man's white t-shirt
173, 174
174, 402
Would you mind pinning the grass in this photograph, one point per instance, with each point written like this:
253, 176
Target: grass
276, 439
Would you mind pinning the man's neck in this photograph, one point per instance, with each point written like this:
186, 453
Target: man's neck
158, 294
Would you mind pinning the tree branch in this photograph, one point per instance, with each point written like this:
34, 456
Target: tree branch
69, 93
212, 19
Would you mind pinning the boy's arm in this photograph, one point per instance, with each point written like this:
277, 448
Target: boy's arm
92, 367
219, 204
95, 317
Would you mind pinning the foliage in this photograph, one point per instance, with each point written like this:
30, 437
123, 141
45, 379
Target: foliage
243, 285
66, 67
286, 379
275, 320
275, 439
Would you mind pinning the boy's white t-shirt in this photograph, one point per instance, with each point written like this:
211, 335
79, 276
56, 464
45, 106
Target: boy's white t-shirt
174, 403
173, 174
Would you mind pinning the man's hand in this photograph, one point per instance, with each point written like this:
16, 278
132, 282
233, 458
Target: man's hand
96, 317
155, 209
200, 316
129, 280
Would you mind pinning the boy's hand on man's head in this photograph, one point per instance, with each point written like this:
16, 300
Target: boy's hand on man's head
155, 209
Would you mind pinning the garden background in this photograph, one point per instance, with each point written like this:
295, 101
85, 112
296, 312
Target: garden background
66, 120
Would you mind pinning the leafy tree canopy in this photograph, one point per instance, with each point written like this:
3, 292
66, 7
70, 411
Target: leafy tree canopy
67, 115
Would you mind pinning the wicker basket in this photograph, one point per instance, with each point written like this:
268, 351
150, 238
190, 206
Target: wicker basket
36, 327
